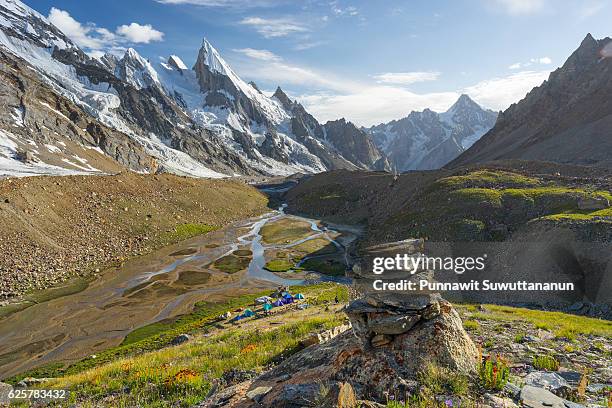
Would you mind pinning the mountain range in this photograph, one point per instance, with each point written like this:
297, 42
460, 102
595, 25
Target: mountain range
429, 140
72, 113
66, 112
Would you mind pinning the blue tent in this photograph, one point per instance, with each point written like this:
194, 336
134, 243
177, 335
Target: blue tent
299, 296
248, 313
287, 300
278, 303
267, 306
287, 296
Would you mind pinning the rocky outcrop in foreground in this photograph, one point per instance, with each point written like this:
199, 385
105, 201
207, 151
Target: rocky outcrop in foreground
393, 337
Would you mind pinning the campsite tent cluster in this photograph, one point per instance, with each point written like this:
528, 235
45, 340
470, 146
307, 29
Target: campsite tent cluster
268, 303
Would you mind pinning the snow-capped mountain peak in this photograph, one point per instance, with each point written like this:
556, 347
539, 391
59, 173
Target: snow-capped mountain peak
136, 70
223, 87
21, 22
466, 112
177, 63
464, 103
213, 60
428, 140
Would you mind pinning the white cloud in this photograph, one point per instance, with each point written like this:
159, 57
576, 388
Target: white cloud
520, 7
262, 55
523, 65
499, 93
96, 40
137, 33
81, 35
308, 45
369, 102
274, 27
347, 11
406, 78
371, 105
278, 71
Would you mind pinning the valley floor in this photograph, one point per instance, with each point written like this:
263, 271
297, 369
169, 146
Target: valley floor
67, 229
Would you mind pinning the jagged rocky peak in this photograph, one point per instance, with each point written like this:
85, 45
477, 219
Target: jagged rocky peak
110, 61
177, 63
588, 53
210, 57
467, 112
428, 140
283, 98
465, 102
254, 85
209, 65
136, 70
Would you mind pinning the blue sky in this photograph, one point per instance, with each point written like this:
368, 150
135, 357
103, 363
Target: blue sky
368, 61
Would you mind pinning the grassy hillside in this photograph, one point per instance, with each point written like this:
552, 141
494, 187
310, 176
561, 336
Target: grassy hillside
485, 203
488, 205
158, 375
55, 229
182, 375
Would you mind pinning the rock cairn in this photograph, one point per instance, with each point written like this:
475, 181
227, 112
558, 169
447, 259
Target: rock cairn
411, 327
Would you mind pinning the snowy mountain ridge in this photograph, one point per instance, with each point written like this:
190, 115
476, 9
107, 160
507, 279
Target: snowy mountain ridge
428, 140
204, 121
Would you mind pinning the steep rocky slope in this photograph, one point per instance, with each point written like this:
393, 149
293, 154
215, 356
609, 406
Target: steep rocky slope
429, 140
47, 133
565, 120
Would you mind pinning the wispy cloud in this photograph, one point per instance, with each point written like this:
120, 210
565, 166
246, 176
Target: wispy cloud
137, 33
262, 55
308, 45
98, 39
343, 11
406, 78
369, 102
519, 7
499, 93
274, 27
533, 61
267, 66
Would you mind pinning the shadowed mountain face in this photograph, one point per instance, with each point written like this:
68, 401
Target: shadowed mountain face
565, 120
205, 121
428, 140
